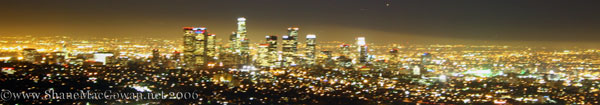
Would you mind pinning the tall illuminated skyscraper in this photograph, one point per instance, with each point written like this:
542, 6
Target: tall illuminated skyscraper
310, 49
272, 49
242, 41
233, 42
288, 50
263, 55
195, 47
189, 47
362, 50
393, 59
211, 47
345, 59
293, 34
272, 41
200, 46
290, 47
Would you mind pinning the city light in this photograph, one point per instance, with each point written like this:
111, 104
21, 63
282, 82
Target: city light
416, 53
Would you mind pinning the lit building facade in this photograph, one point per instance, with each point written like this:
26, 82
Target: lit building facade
287, 50
310, 49
242, 41
195, 47
30, 55
262, 59
362, 50
272, 50
290, 47
211, 49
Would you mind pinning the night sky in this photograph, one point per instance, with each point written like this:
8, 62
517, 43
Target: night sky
401, 21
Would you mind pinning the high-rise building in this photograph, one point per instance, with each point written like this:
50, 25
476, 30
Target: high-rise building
345, 50
242, 41
200, 46
262, 59
393, 59
290, 47
233, 42
288, 50
175, 60
272, 41
272, 50
195, 47
189, 47
59, 57
211, 48
362, 50
416, 70
325, 60
345, 58
104, 57
155, 57
310, 49
30, 55
426, 59
293, 34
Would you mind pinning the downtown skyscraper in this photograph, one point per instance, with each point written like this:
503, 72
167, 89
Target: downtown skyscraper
362, 50
272, 51
290, 47
311, 43
196, 49
243, 41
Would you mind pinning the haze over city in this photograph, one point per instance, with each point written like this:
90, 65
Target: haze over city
437, 21
313, 52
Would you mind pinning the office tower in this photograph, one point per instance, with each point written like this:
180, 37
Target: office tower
293, 34
104, 57
426, 59
176, 60
290, 47
345, 58
155, 56
272, 49
189, 47
245, 52
310, 49
443, 78
64, 49
211, 48
200, 42
232, 43
195, 47
242, 41
325, 60
200, 47
416, 70
262, 59
362, 50
345, 50
30, 55
393, 59
287, 50
240, 33
59, 57
272, 41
